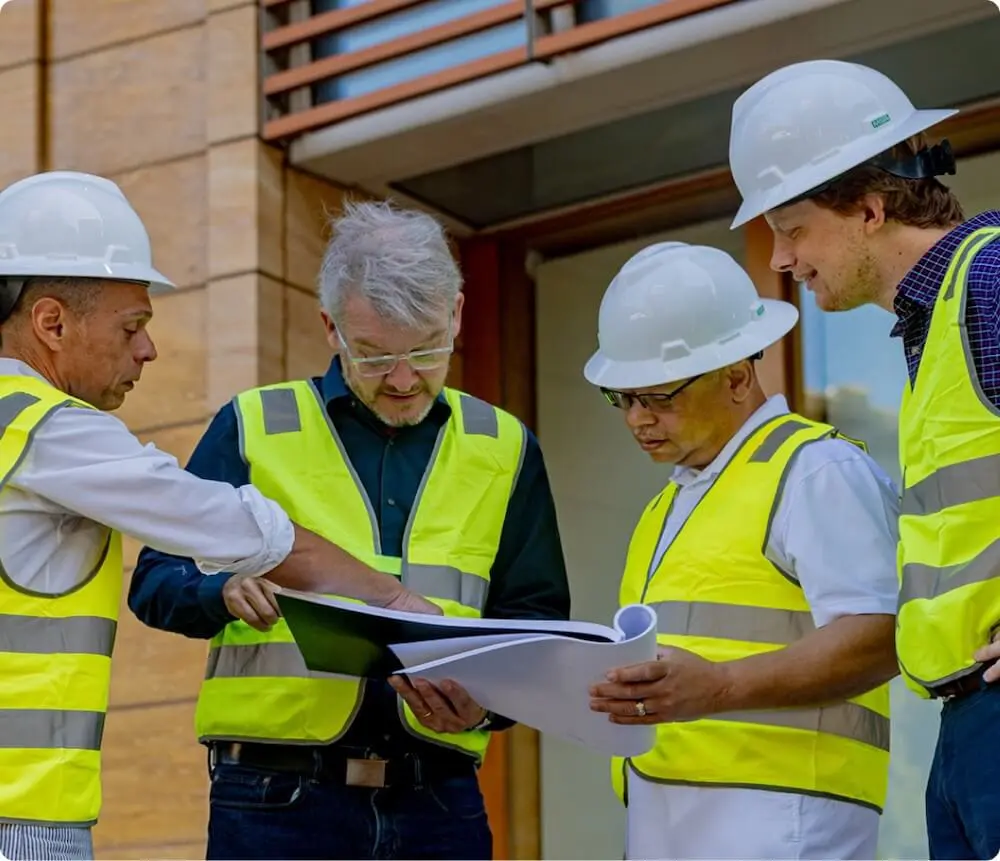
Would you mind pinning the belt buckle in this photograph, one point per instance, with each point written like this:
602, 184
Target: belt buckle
369, 772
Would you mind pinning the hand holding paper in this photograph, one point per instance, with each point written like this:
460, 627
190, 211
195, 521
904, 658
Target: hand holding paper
534, 671
544, 681
448, 709
679, 685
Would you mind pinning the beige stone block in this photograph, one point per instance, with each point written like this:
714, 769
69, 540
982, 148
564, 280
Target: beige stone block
246, 322
128, 106
246, 206
308, 353
19, 92
172, 200
154, 776
172, 388
78, 28
311, 203
20, 34
233, 86
222, 5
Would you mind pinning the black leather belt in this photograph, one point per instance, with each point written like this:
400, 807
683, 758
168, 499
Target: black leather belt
346, 766
964, 686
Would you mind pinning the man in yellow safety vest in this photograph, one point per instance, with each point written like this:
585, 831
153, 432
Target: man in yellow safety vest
769, 559
837, 159
414, 477
76, 275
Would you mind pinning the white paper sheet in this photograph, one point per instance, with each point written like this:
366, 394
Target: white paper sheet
543, 680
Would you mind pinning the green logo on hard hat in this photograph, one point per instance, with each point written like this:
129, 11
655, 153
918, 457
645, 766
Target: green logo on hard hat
880, 121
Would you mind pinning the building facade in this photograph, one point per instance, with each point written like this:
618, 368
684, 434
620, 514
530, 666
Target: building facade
554, 138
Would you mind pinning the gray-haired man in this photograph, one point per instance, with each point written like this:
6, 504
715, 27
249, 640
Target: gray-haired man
409, 475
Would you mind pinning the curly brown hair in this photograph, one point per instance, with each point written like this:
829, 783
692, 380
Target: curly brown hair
913, 202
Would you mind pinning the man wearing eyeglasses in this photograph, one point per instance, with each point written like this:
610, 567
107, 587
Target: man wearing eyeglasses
770, 561
417, 479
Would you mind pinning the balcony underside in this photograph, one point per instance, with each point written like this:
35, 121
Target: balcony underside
640, 110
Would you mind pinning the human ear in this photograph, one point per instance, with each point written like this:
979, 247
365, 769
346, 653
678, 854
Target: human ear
49, 319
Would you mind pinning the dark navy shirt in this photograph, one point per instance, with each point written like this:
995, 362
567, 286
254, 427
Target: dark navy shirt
919, 290
528, 578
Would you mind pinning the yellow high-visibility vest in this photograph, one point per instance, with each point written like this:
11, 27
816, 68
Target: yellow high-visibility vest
55, 655
716, 594
257, 687
949, 525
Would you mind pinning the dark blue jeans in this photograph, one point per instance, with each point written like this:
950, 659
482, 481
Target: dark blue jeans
269, 815
963, 790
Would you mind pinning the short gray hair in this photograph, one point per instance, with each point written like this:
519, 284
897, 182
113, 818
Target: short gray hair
397, 259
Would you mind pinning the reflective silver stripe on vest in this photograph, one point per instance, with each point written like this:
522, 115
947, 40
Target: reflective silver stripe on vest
970, 481
732, 621
274, 660
970, 250
929, 581
280, 411
847, 720
774, 440
478, 417
11, 406
51, 729
81, 635
447, 584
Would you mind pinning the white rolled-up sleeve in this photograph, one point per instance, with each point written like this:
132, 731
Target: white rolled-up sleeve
88, 463
836, 533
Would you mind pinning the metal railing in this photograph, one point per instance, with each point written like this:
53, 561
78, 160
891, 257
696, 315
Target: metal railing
327, 60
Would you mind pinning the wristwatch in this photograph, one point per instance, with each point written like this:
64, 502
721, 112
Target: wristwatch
485, 723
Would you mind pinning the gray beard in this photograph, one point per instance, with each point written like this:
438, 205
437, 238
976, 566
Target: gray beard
408, 421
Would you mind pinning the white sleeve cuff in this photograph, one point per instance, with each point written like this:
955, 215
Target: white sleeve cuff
276, 529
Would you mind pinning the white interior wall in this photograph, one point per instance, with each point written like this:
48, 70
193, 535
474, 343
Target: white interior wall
601, 481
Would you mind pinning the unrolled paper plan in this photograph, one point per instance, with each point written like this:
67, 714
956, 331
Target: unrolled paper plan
537, 672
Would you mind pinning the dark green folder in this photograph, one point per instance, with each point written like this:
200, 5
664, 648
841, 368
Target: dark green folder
354, 639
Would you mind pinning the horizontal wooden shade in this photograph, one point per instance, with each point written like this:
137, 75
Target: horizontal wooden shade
297, 122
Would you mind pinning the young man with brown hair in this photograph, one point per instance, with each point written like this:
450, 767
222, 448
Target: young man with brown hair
835, 156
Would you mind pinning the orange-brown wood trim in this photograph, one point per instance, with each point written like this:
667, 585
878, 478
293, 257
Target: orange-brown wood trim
498, 364
482, 376
327, 22
329, 67
655, 208
974, 129
332, 112
595, 32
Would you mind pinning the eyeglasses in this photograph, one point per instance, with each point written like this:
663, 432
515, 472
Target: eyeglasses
381, 366
655, 402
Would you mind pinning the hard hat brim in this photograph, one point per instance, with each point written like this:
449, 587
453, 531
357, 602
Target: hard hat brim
607, 372
48, 268
848, 158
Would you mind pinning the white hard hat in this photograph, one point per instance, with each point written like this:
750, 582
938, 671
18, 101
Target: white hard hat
674, 311
64, 224
808, 123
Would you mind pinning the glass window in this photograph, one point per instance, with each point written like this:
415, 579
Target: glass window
408, 22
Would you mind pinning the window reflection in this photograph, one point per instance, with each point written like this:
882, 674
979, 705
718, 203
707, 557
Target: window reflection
853, 377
